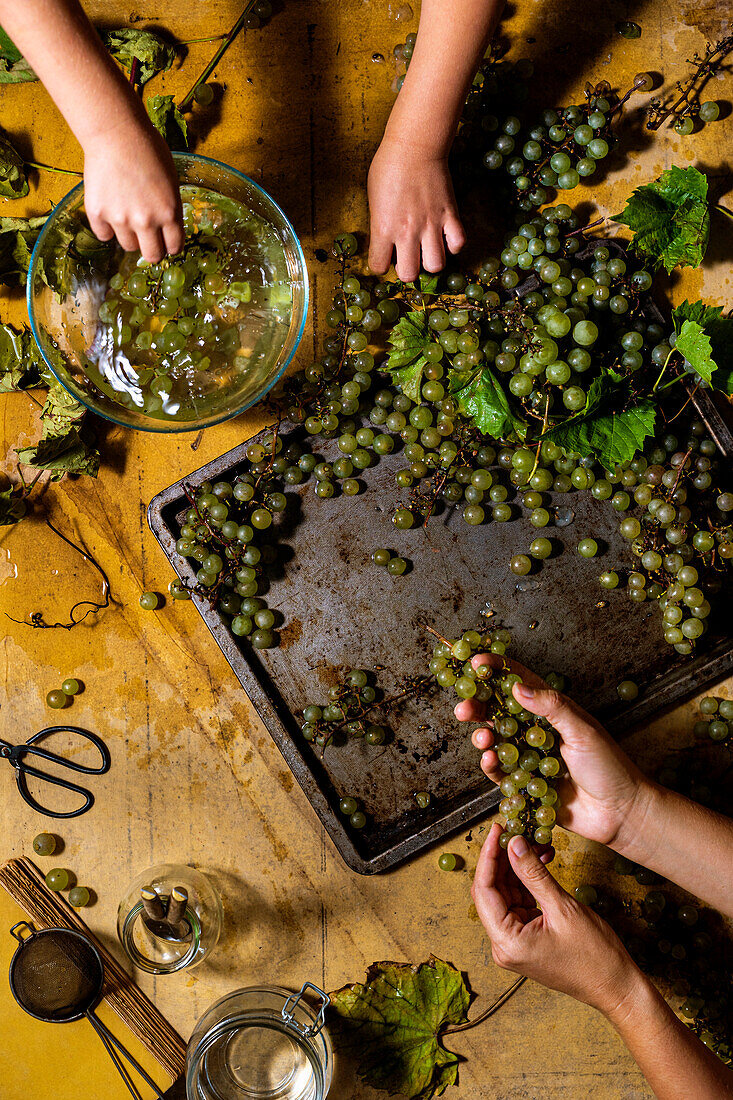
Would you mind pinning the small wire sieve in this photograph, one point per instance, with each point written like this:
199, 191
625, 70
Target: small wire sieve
56, 975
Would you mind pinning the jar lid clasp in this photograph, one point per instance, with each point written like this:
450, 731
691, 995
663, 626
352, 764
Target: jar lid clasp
309, 1030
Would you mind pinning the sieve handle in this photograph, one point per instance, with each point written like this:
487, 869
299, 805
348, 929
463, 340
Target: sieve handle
17, 931
111, 1041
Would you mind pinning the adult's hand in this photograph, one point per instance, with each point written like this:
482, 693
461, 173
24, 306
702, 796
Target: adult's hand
604, 797
539, 930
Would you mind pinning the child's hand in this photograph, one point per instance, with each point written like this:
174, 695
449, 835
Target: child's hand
412, 210
605, 798
131, 192
539, 930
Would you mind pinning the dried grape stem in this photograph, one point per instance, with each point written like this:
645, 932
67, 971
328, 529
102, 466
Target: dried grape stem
37, 620
497, 1004
705, 67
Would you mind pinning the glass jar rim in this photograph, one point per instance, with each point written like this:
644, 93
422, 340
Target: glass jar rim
312, 1038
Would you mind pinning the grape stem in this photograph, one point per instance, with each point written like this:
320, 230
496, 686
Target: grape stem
218, 55
51, 168
661, 373
36, 618
494, 1007
705, 67
439, 637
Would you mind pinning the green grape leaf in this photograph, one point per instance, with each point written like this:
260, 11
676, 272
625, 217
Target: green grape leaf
694, 343
12, 506
62, 454
429, 283
154, 54
14, 69
719, 331
61, 412
392, 1024
406, 361
483, 400
409, 379
168, 120
670, 219
20, 360
13, 179
607, 435
17, 237
408, 338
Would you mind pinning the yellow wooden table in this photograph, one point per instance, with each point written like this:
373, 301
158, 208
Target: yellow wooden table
196, 778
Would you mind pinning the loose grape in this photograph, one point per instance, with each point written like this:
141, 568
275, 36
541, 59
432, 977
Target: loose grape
586, 895
57, 879
587, 548
540, 548
79, 896
520, 565
357, 820
423, 799
149, 601
44, 844
348, 805
447, 861
627, 690
71, 686
56, 699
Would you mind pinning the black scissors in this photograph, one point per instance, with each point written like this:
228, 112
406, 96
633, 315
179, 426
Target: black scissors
16, 755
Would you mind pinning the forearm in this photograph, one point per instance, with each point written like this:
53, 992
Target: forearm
64, 49
452, 39
684, 842
673, 1060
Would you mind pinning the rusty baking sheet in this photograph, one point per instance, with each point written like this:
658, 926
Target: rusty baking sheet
341, 611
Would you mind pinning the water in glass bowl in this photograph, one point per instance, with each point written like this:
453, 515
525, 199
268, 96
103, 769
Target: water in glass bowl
176, 339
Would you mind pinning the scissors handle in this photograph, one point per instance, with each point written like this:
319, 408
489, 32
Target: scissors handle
17, 753
63, 761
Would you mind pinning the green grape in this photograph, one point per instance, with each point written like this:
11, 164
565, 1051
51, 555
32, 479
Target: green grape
520, 565
56, 699
44, 844
423, 799
586, 895
587, 548
57, 879
149, 601
447, 861
684, 125
609, 579
709, 111
71, 686
79, 897
358, 820
627, 690
540, 548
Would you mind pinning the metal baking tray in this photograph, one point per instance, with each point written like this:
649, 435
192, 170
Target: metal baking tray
340, 611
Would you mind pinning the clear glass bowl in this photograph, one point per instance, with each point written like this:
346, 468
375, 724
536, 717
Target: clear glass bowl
261, 1043
203, 913
70, 324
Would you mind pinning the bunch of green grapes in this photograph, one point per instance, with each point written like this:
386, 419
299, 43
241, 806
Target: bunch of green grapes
716, 721
224, 533
682, 539
349, 702
523, 742
564, 148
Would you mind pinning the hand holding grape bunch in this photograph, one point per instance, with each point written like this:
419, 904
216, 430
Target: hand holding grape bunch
605, 796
